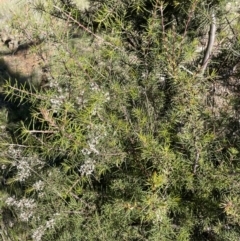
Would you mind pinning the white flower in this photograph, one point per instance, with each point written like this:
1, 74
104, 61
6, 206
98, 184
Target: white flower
107, 95
15, 153
25, 207
87, 168
85, 151
24, 164
39, 185
10, 201
24, 170
50, 223
94, 87
82, 4
93, 148
41, 194
38, 233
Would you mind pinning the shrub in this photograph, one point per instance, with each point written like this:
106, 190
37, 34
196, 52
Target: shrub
123, 142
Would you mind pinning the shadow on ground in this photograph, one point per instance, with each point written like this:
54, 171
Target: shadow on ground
16, 111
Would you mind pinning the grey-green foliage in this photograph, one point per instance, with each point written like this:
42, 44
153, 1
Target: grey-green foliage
123, 141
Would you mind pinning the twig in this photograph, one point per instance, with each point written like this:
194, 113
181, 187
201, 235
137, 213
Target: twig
13, 88
43, 132
17, 145
184, 68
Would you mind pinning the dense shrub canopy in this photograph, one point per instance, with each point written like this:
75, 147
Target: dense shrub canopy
128, 128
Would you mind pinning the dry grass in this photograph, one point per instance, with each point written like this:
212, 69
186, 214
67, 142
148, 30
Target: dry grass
22, 63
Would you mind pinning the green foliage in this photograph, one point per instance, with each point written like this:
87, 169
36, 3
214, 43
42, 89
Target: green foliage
125, 140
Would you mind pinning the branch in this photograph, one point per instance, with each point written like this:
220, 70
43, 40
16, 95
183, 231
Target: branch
190, 16
233, 31
211, 39
68, 15
196, 164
